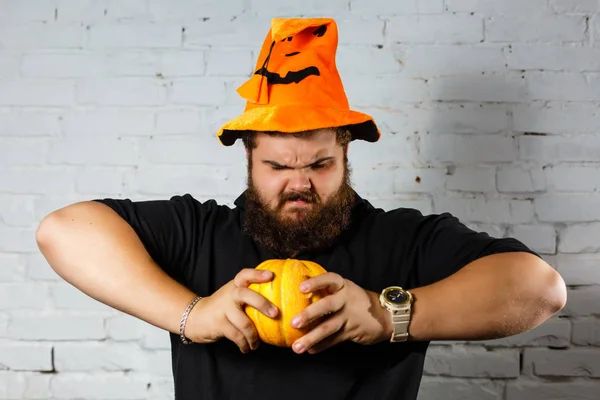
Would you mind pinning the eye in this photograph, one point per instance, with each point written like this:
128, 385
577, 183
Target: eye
319, 166
278, 167
320, 31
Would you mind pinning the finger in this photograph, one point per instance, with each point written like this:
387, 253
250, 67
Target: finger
331, 282
322, 307
236, 336
250, 275
327, 343
243, 324
244, 296
322, 331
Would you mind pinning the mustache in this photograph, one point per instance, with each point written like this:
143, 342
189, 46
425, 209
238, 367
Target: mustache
309, 197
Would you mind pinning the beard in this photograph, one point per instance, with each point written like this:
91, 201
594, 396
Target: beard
315, 228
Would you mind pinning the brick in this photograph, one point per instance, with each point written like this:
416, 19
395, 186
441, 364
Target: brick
229, 62
37, 268
523, 389
23, 296
18, 356
380, 61
22, 151
17, 239
458, 389
19, 36
57, 327
4, 324
580, 238
424, 205
124, 327
490, 211
390, 91
17, 210
559, 148
309, 7
357, 31
134, 36
381, 7
563, 363
521, 180
471, 179
45, 181
185, 11
105, 123
552, 57
12, 269
579, 269
378, 181
563, 178
586, 332
183, 63
220, 32
33, 93
178, 122
62, 65
432, 61
509, 7
556, 118
198, 91
392, 150
574, 6
472, 362
107, 181
466, 150
168, 180
582, 302
162, 388
24, 385
574, 208
121, 92
445, 29
64, 296
84, 149
555, 332
478, 88
99, 386
27, 11
540, 238
81, 11
524, 28
421, 180
562, 86
19, 123
185, 150
9, 65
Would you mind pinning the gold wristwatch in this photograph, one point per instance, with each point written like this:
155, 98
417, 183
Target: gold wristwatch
399, 303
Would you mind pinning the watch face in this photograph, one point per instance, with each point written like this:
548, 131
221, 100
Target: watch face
396, 296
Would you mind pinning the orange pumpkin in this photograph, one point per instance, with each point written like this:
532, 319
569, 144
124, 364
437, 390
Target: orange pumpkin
284, 292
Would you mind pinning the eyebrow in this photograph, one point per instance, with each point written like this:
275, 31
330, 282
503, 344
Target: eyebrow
312, 164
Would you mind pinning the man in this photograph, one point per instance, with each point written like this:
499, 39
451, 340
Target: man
396, 280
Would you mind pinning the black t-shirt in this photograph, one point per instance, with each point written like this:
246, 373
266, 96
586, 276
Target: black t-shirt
201, 245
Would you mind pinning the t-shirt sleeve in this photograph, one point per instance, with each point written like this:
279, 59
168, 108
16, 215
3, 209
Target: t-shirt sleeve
444, 245
167, 228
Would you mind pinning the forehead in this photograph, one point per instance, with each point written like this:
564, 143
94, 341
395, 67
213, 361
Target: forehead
317, 141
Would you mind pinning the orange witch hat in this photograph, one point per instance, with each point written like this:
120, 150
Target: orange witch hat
296, 85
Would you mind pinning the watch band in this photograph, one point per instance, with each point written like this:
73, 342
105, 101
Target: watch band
400, 321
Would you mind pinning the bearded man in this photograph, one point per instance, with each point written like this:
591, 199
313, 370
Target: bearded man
185, 265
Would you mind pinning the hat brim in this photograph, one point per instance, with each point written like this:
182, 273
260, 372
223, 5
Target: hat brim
298, 118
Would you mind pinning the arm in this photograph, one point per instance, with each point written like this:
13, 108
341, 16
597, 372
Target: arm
492, 297
94, 249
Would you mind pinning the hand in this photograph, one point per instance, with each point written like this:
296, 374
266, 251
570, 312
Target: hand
222, 315
349, 312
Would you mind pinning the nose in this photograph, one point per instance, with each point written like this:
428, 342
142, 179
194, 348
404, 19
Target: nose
300, 180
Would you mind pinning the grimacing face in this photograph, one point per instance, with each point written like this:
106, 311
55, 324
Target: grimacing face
293, 175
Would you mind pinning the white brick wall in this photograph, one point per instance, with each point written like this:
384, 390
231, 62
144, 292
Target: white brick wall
489, 109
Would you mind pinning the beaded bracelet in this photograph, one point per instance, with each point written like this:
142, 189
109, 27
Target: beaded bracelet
184, 320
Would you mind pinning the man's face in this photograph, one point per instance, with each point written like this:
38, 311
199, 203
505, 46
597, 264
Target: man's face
299, 196
295, 176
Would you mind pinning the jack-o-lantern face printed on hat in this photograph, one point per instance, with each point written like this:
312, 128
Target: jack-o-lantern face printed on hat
296, 85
